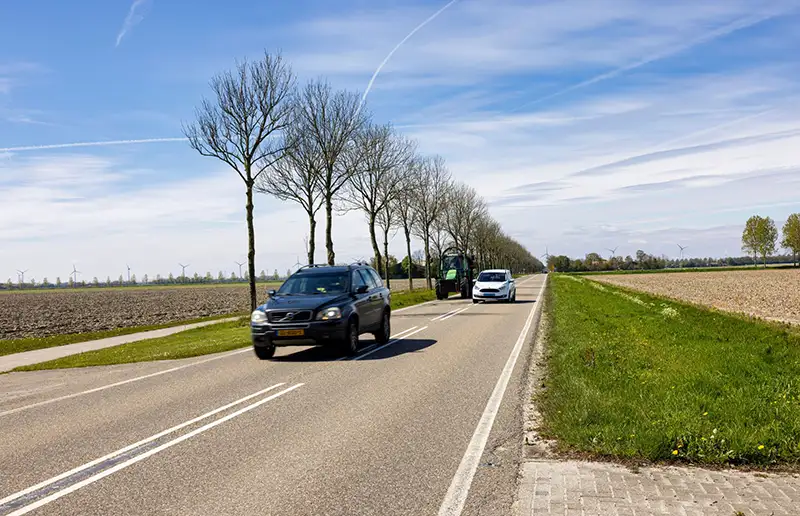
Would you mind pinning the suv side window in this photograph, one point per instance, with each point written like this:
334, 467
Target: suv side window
358, 281
375, 277
368, 278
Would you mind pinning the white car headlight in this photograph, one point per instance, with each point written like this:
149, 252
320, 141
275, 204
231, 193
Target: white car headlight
329, 314
258, 317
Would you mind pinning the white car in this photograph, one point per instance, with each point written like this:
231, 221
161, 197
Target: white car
495, 284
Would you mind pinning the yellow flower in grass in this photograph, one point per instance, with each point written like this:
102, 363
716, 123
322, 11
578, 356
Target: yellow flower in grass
760, 446
705, 413
674, 452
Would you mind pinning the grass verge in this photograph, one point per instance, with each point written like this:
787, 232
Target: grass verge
190, 343
7, 347
634, 376
406, 298
215, 338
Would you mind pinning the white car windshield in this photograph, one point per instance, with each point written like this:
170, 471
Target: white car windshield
490, 277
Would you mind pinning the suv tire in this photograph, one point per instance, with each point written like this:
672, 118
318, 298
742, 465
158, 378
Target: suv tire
384, 333
350, 343
264, 352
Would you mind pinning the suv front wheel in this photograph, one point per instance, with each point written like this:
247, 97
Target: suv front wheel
350, 344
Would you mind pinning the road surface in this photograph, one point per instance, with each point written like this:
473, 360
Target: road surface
429, 424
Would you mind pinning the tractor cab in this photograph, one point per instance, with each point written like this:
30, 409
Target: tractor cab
455, 274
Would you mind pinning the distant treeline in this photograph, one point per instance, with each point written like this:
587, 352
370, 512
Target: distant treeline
645, 261
195, 279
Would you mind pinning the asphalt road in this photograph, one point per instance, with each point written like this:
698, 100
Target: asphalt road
409, 428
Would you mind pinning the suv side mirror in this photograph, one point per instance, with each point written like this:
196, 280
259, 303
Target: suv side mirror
363, 289
271, 292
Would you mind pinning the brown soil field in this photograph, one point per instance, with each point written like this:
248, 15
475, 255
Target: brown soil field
43, 313
768, 294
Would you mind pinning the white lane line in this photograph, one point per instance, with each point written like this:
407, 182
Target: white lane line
359, 357
456, 313
138, 458
117, 384
456, 495
437, 318
135, 445
395, 336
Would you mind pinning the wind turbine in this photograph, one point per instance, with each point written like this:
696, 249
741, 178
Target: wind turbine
21, 276
240, 268
183, 271
613, 251
129, 272
298, 264
682, 247
74, 274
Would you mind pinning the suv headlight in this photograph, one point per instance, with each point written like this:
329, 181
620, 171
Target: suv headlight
329, 314
258, 317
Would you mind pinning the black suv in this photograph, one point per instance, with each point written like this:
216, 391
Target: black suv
323, 305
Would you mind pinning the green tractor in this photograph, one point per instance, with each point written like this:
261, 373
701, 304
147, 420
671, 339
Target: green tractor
455, 274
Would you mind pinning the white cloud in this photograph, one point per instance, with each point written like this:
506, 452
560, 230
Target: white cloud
100, 213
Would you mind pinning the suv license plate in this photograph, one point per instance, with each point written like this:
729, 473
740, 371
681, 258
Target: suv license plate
291, 333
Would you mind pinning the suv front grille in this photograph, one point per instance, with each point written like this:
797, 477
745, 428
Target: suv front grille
489, 290
283, 316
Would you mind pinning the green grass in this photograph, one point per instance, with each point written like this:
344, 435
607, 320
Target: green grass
665, 381
190, 343
199, 341
405, 298
10, 346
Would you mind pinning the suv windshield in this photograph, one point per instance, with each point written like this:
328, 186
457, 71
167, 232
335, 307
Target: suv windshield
488, 277
306, 284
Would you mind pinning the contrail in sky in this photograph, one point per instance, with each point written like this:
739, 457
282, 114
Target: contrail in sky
390, 54
90, 144
709, 36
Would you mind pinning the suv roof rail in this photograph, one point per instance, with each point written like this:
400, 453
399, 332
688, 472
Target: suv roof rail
313, 266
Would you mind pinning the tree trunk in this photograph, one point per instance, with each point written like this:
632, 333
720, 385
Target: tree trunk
408, 257
312, 232
375, 249
329, 231
428, 281
386, 256
251, 246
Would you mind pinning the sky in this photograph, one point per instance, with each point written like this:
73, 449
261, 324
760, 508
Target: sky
586, 124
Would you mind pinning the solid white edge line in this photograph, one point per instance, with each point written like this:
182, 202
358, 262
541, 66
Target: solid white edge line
456, 495
138, 458
135, 445
359, 357
117, 384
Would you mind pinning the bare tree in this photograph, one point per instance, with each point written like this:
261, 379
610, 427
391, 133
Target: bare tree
387, 221
464, 208
379, 159
297, 178
330, 120
428, 197
251, 105
406, 216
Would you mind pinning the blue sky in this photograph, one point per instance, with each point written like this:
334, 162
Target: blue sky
586, 124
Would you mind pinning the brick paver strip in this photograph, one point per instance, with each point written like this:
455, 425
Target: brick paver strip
577, 488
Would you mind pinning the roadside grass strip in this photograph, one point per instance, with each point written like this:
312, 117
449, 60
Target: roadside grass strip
11, 346
216, 338
665, 309
629, 380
